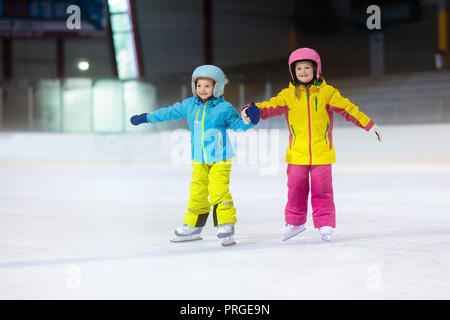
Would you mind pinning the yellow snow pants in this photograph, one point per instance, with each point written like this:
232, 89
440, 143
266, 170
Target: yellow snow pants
211, 179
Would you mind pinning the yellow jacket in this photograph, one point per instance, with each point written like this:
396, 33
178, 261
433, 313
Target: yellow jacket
310, 120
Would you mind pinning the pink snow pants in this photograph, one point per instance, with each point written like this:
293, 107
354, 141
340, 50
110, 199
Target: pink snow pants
321, 195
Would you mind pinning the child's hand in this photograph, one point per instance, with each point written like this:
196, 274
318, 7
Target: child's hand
376, 132
244, 114
250, 114
138, 119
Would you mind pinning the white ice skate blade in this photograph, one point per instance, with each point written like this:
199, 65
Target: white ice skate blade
288, 235
326, 237
228, 241
186, 238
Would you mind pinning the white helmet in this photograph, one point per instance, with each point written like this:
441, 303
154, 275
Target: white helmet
211, 72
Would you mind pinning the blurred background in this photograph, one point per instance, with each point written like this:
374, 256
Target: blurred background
124, 57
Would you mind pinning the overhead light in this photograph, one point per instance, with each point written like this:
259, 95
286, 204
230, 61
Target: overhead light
83, 65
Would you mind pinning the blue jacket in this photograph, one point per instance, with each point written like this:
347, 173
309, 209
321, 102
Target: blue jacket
208, 122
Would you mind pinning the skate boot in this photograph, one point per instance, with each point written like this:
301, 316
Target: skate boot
225, 232
290, 231
326, 232
186, 233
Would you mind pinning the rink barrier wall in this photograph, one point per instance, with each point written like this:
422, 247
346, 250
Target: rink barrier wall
401, 143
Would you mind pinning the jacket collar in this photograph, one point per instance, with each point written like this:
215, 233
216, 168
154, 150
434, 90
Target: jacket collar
211, 101
314, 86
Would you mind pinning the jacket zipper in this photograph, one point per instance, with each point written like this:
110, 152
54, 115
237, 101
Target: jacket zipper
309, 126
326, 133
203, 131
294, 135
196, 117
220, 139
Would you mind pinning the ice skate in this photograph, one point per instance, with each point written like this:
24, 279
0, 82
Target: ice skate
186, 233
290, 231
225, 230
228, 241
225, 233
326, 232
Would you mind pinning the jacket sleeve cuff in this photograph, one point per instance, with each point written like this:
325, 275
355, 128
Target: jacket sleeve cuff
369, 125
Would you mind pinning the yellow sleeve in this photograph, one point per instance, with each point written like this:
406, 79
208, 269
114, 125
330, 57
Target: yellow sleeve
348, 110
274, 107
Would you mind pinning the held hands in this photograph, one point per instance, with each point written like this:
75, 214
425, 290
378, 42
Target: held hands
138, 119
244, 115
375, 132
250, 114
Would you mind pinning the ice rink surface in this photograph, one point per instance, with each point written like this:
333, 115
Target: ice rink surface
100, 230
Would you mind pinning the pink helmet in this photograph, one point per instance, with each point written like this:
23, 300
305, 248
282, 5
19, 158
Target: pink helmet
305, 54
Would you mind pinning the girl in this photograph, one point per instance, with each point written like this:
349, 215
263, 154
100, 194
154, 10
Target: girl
308, 105
208, 116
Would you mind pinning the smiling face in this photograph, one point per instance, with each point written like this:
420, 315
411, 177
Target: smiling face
204, 88
304, 71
